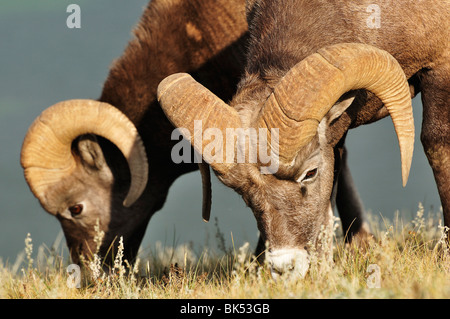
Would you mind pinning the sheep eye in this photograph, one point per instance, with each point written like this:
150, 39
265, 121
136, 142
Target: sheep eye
310, 174
76, 209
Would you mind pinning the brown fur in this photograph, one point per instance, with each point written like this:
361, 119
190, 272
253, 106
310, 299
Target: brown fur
284, 32
203, 37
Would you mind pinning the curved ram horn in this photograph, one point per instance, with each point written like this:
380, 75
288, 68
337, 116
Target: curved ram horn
308, 91
185, 101
46, 155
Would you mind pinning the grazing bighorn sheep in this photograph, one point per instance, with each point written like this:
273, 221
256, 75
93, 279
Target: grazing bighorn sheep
194, 39
314, 70
79, 177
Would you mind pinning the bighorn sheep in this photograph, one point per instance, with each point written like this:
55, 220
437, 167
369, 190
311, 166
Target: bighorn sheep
71, 154
314, 70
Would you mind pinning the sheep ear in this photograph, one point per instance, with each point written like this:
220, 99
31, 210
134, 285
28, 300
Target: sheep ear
339, 107
90, 152
334, 113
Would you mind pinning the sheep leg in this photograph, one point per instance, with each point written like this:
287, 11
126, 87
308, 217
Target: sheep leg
260, 250
349, 204
435, 136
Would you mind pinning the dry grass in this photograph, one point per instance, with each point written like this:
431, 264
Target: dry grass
409, 260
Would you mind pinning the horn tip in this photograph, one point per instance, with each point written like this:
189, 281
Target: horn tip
405, 181
405, 177
406, 159
405, 173
127, 202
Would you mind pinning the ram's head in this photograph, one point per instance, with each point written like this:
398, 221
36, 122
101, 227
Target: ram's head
290, 198
61, 154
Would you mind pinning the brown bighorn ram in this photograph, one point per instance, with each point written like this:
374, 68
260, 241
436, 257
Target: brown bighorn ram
314, 70
206, 38
72, 152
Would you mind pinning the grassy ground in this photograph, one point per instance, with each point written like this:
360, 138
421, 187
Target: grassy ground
408, 260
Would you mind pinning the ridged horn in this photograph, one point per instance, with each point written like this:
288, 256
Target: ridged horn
46, 155
307, 92
185, 101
